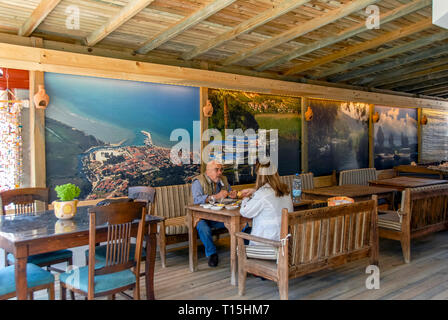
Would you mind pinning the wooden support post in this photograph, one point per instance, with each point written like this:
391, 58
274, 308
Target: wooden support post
371, 136
419, 135
37, 129
203, 97
304, 146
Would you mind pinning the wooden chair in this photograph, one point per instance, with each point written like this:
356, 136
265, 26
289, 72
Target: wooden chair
101, 250
424, 210
143, 194
362, 177
113, 275
313, 240
37, 279
24, 201
170, 203
307, 180
358, 176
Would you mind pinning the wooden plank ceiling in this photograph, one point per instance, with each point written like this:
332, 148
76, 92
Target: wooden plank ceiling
310, 41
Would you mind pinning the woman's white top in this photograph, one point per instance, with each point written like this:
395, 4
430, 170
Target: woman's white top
266, 211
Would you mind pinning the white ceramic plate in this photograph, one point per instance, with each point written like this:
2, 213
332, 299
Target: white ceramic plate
206, 206
216, 208
228, 201
231, 207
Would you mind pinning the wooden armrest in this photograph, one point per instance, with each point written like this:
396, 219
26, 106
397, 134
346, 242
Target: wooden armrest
258, 239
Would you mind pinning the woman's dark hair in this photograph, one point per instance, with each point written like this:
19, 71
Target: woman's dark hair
269, 174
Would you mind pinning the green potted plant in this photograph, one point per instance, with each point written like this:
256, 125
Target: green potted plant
65, 208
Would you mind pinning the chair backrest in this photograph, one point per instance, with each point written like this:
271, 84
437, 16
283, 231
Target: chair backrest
142, 194
322, 237
118, 217
307, 180
428, 206
170, 202
24, 199
357, 176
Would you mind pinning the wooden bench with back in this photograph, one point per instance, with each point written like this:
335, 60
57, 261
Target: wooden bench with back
313, 240
423, 210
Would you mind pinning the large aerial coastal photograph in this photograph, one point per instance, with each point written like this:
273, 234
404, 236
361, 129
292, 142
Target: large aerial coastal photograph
106, 135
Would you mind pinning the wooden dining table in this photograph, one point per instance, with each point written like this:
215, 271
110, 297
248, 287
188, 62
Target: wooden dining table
403, 182
42, 232
421, 170
354, 191
232, 220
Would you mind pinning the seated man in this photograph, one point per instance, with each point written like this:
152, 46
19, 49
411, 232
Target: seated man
210, 185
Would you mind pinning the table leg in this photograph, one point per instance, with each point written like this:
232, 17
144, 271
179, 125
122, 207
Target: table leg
233, 227
151, 244
192, 242
21, 281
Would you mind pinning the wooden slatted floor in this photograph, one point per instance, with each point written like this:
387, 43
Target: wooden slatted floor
426, 277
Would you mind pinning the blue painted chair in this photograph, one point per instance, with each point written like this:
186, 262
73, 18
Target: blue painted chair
24, 200
117, 272
37, 279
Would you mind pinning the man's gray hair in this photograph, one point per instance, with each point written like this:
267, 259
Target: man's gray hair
213, 162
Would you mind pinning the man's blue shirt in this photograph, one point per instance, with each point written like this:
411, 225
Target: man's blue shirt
198, 193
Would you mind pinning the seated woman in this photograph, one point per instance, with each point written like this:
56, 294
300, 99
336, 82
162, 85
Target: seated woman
264, 204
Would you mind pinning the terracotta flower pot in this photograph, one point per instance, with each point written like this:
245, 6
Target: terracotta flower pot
65, 209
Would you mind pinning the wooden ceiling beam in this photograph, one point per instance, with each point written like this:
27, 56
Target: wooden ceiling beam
398, 62
300, 30
402, 72
245, 26
430, 75
37, 16
390, 36
441, 88
184, 24
37, 59
423, 85
408, 74
126, 13
378, 56
348, 33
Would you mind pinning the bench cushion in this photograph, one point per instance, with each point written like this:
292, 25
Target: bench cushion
262, 252
389, 220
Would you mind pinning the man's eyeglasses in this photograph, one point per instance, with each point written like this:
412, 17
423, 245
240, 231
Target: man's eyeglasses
219, 169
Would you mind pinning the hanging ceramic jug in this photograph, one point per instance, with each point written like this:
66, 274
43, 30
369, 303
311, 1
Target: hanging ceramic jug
309, 114
424, 120
208, 109
41, 99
